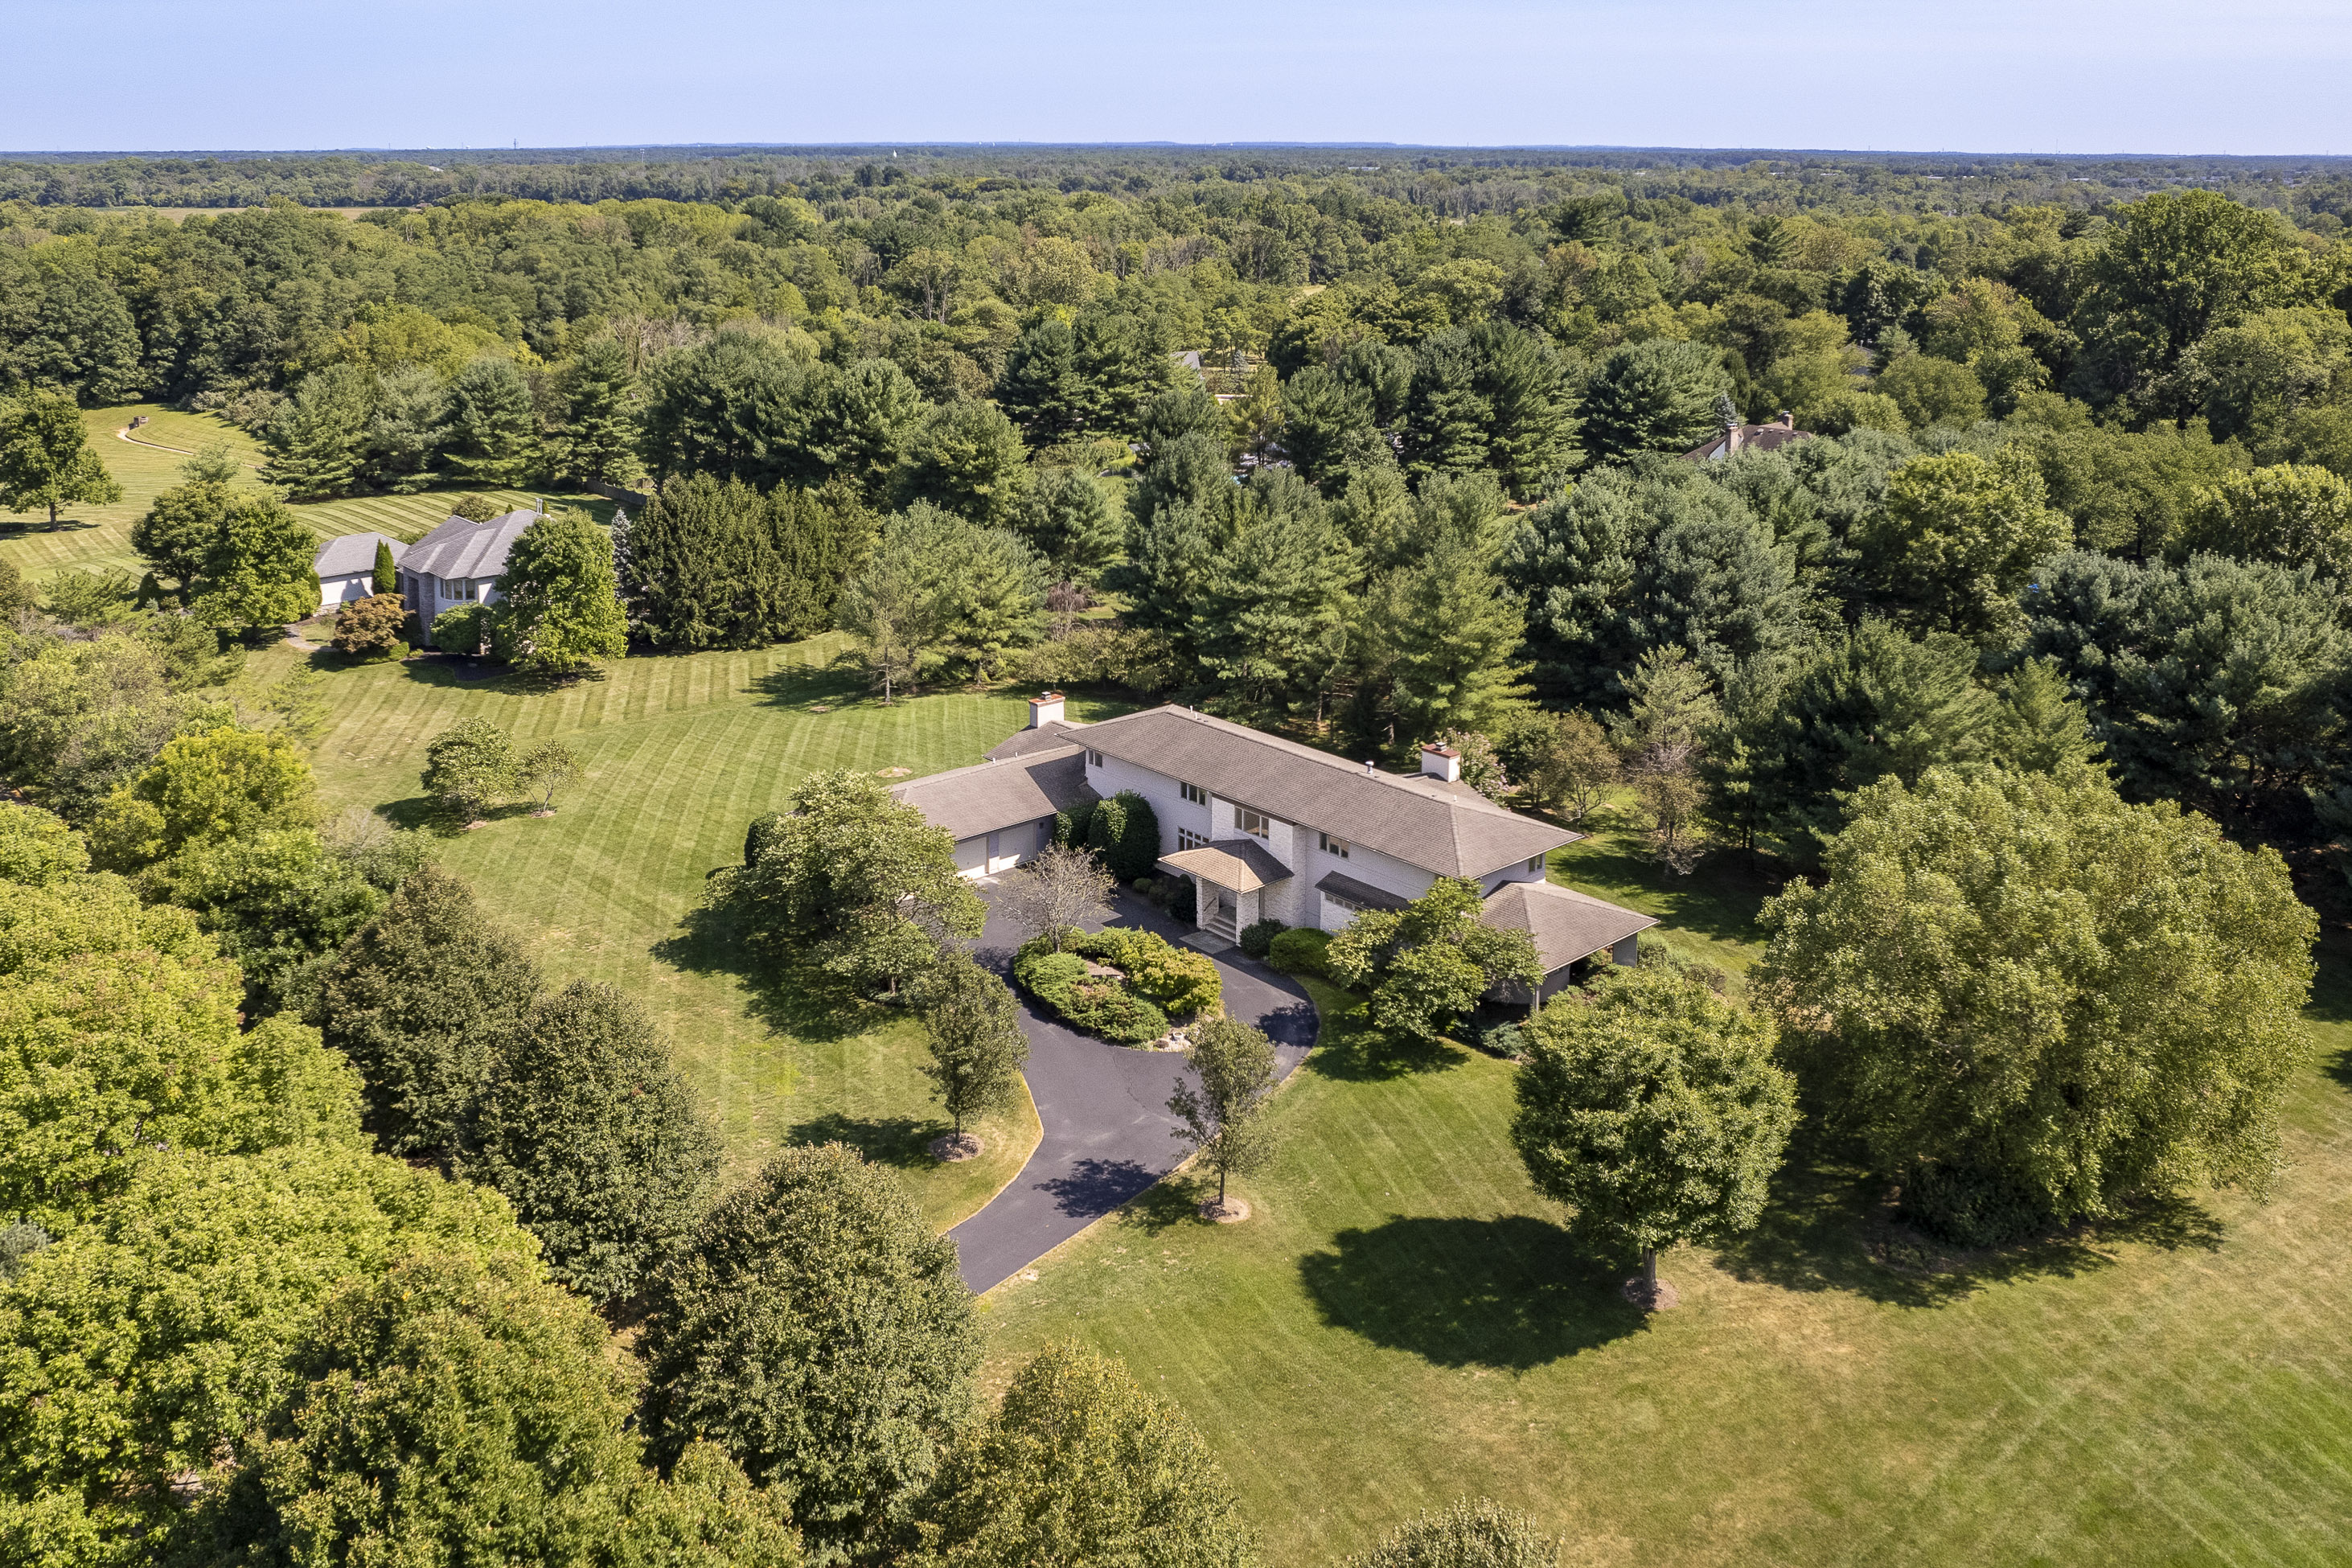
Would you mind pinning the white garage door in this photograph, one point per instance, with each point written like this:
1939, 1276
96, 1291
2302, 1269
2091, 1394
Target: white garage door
972, 856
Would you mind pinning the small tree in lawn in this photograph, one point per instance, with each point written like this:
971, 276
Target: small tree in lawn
1655, 1113
973, 1026
1479, 1534
1055, 893
386, 579
46, 458
545, 769
469, 768
1223, 1106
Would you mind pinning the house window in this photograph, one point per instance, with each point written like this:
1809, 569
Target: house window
1337, 846
1250, 822
1188, 839
1094, 759
1195, 793
1535, 863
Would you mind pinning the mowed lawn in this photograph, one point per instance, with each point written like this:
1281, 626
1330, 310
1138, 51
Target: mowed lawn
1402, 1323
98, 537
682, 754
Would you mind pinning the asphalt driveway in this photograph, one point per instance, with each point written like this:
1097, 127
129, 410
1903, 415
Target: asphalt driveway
1104, 1107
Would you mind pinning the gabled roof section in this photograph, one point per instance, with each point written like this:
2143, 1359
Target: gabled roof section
1419, 820
350, 554
981, 798
1567, 925
462, 548
1242, 864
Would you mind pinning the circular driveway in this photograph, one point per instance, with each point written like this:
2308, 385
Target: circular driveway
1109, 1134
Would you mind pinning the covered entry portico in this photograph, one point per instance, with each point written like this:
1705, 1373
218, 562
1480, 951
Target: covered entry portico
1228, 879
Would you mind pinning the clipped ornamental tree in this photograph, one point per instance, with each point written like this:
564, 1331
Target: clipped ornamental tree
1655, 1113
372, 627
2033, 1001
1426, 965
815, 1327
1125, 832
1080, 1465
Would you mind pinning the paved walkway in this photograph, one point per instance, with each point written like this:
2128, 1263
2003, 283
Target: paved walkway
1104, 1108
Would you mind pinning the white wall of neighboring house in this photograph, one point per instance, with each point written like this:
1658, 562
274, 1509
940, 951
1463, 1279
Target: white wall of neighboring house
334, 591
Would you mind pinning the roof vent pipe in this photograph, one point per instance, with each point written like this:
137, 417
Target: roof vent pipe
1369, 766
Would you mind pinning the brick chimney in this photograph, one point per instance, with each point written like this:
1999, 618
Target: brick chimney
1045, 708
1787, 419
1442, 762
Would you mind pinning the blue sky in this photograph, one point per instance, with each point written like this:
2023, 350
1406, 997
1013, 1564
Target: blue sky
2261, 76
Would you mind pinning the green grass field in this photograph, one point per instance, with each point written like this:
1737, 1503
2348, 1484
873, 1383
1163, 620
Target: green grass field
1402, 1323
682, 752
98, 537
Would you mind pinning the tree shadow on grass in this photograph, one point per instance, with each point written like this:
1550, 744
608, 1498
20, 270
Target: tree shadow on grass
1830, 1225
1364, 1056
805, 1004
833, 685
902, 1142
1511, 1293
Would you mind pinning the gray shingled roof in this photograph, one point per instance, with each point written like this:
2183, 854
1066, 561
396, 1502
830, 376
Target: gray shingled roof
1567, 925
1242, 864
1419, 821
1363, 895
1053, 733
461, 548
981, 798
349, 555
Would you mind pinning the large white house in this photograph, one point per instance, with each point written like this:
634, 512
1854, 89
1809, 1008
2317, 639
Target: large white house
458, 563
1266, 827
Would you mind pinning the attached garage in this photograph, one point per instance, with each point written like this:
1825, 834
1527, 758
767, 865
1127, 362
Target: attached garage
1001, 813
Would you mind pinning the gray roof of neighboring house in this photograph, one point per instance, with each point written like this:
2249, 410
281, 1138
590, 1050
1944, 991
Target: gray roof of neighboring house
462, 548
1242, 864
969, 802
1567, 925
1420, 820
1054, 732
350, 554
1746, 438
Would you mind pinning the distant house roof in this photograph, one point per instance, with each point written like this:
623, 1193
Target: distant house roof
969, 802
351, 555
1242, 864
1750, 438
1567, 925
1420, 820
462, 548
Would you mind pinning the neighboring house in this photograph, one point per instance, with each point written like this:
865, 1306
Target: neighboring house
1741, 438
458, 563
346, 568
1268, 828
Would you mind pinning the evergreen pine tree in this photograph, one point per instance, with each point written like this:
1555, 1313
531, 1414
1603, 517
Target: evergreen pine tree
600, 427
493, 438
387, 576
1453, 646
318, 440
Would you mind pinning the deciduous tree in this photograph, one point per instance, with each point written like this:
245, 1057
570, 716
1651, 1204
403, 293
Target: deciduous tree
257, 571
2032, 1001
1223, 1104
972, 1026
817, 1330
1428, 963
1479, 1534
559, 606
46, 458
1655, 1113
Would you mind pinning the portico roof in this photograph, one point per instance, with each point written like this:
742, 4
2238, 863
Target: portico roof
1243, 865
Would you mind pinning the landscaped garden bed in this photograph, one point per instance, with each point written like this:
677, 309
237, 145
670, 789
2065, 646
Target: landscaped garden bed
1122, 983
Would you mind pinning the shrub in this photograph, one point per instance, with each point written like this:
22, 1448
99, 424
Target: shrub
1299, 951
1184, 901
1972, 1207
1179, 979
462, 630
1258, 935
1125, 832
1071, 824
1503, 1040
371, 628
1099, 1006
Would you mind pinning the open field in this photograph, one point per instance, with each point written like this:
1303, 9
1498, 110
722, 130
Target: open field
682, 752
98, 537
1403, 1325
